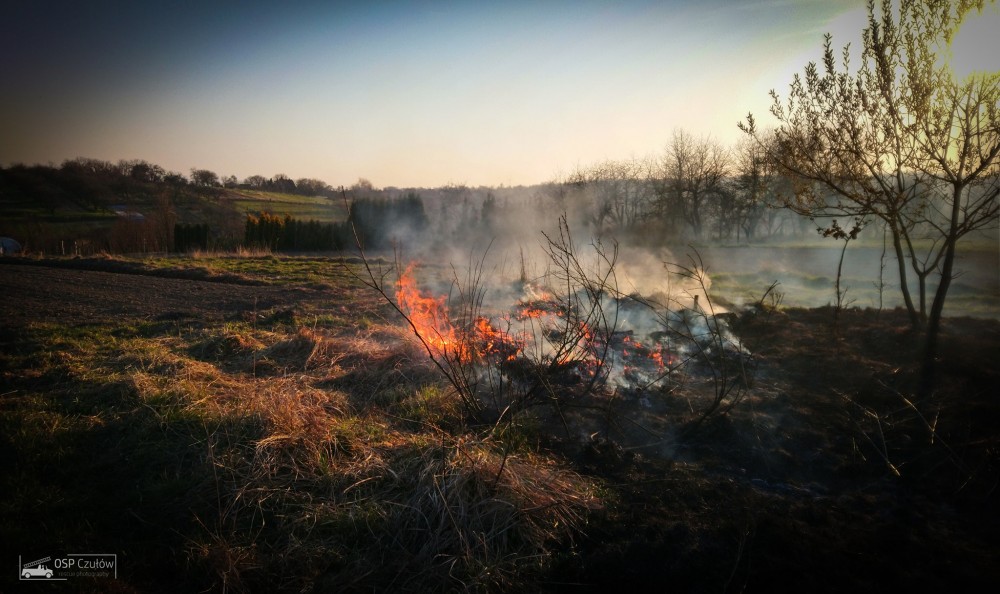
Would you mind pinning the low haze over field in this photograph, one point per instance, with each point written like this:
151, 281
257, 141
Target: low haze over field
404, 94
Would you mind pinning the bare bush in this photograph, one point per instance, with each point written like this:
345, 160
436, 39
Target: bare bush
702, 329
497, 365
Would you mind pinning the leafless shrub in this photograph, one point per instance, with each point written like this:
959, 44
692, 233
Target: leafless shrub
495, 368
702, 329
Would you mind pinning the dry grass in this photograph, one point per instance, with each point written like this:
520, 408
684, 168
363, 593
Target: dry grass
240, 252
474, 519
345, 465
285, 453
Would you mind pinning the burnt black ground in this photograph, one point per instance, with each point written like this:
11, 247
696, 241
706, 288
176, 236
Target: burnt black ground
792, 491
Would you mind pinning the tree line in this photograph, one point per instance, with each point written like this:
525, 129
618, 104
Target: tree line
91, 183
696, 189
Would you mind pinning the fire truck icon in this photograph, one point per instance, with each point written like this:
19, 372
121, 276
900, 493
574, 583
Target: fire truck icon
36, 571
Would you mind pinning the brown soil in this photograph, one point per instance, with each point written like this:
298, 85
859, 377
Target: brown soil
67, 295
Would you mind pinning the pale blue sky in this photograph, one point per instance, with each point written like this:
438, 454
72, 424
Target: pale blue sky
401, 93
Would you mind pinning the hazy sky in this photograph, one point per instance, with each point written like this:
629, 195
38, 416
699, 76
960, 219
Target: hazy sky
401, 93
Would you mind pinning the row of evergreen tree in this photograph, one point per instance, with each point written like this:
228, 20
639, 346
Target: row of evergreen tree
282, 234
188, 238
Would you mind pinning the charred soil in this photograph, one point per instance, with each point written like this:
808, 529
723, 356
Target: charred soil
830, 477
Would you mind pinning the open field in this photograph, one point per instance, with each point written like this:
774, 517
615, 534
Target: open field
267, 424
306, 208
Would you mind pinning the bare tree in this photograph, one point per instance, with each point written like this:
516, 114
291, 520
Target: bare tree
756, 186
898, 139
694, 169
619, 192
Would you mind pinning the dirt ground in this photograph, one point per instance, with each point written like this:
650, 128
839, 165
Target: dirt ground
45, 294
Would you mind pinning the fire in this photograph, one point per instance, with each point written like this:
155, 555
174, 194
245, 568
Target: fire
530, 312
432, 324
491, 341
429, 316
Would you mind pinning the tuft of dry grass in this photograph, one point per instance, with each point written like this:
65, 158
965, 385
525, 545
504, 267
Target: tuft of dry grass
304, 350
461, 515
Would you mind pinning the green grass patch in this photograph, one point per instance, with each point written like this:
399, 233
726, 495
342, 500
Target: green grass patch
318, 208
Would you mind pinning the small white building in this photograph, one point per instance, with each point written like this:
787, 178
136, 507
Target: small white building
127, 213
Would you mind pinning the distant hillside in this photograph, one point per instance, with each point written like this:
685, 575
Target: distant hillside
86, 206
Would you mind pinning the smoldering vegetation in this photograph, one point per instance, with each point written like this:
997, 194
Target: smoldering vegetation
592, 437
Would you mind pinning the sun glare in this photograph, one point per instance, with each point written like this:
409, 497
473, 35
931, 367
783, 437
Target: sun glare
976, 45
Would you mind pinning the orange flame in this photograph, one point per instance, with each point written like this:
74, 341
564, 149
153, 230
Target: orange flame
489, 341
531, 312
494, 342
429, 316
432, 325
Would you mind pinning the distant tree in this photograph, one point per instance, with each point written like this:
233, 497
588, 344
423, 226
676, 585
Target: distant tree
362, 189
204, 178
622, 190
756, 184
86, 183
141, 171
256, 181
725, 205
283, 183
42, 185
311, 187
488, 213
230, 182
693, 170
174, 179
379, 221
94, 167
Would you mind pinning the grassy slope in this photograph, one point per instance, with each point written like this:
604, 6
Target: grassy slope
33, 223
305, 208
